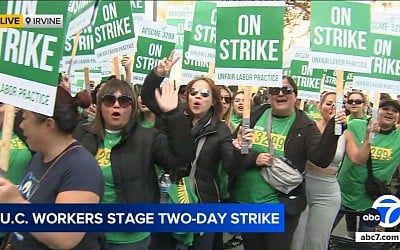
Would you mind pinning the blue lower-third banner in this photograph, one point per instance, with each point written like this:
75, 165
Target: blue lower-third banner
142, 218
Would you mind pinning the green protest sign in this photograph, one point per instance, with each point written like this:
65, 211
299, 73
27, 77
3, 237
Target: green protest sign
191, 68
30, 58
77, 79
308, 79
348, 81
385, 70
80, 15
138, 10
329, 82
113, 30
249, 43
203, 37
176, 16
155, 42
84, 56
340, 36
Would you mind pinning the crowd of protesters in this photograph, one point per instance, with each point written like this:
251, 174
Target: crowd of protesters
115, 150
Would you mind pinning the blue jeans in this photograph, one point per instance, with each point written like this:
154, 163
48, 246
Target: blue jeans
140, 245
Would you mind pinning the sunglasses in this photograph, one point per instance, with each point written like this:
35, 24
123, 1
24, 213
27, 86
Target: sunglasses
203, 93
358, 102
227, 99
123, 100
285, 90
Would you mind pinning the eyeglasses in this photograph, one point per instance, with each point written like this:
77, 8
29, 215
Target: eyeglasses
123, 100
357, 101
203, 93
285, 90
227, 99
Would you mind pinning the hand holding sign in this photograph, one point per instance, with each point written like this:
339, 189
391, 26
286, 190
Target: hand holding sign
164, 66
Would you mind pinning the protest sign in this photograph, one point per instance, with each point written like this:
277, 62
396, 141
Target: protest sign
203, 36
249, 43
340, 36
155, 41
30, 58
113, 30
385, 69
80, 15
308, 79
84, 56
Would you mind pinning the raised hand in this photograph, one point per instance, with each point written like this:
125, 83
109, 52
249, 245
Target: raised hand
165, 65
168, 99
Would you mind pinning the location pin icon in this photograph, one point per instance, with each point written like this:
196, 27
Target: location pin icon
28, 20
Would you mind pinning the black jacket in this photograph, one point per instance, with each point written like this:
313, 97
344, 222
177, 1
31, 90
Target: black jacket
134, 157
217, 147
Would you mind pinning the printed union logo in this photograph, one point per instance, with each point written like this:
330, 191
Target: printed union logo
388, 207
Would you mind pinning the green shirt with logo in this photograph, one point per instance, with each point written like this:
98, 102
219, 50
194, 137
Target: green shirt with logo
385, 152
103, 157
250, 186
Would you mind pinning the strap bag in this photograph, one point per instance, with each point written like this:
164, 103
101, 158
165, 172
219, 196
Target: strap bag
374, 187
282, 174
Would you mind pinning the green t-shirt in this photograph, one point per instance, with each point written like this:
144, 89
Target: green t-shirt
385, 151
364, 117
103, 157
312, 112
250, 186
19, 159
147, 124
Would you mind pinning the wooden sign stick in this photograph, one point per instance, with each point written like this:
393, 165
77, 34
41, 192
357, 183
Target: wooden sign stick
8, 126
74, 49
211, 70
339, 98
87, 79
117, 73
246, 117
377, 97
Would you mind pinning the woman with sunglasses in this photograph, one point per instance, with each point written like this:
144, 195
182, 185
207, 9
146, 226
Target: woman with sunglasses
127, 152
385, 157
203, 107
356, 104
322, 190
297, 138
226, 100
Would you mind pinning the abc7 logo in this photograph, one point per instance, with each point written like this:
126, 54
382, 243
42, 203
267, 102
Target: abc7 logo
385, 212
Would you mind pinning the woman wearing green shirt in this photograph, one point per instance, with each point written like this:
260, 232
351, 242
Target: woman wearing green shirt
385, 155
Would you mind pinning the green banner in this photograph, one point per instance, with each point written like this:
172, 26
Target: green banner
203, 37
113, 30
191, 68
385, 72
84, 56
155, 42
308, 79
80, 15
340, 36
77, 79
176, 16
30, 58
249, 43
329, 83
